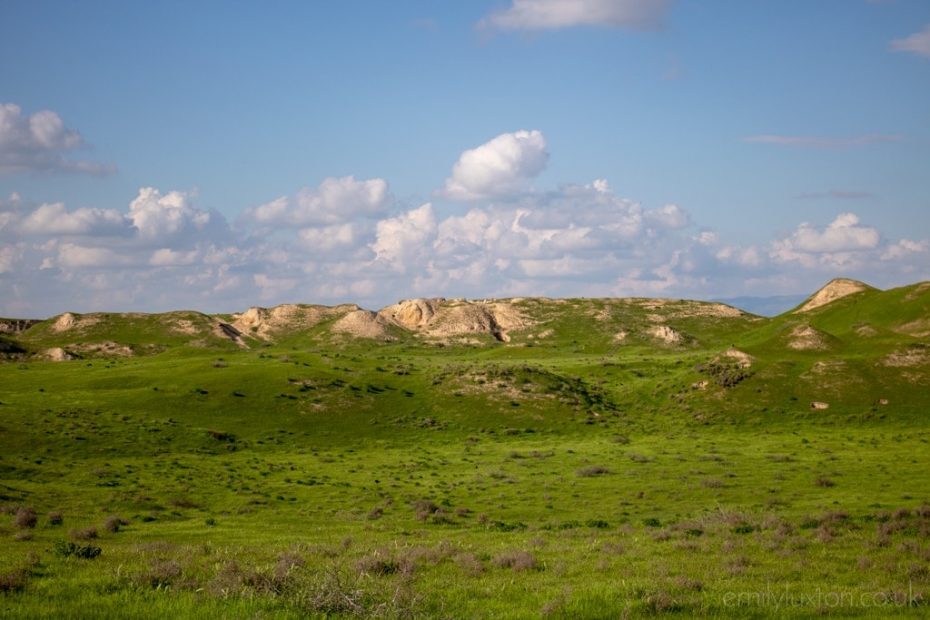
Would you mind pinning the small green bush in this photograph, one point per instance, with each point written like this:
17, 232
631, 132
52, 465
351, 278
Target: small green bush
66, 549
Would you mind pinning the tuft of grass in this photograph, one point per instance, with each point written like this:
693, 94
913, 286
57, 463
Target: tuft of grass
381, 563
516, 560
66, 549
87, 533
25, 518
161, 573
470, 564
114, 523
14, 580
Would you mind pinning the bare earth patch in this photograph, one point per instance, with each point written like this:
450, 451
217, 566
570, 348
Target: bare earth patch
266, 323
441, 318
69, 321
806, 338
913, 356
362, 324
56, 354
108, 349
743, 359
666, 334
919, 328
835, 289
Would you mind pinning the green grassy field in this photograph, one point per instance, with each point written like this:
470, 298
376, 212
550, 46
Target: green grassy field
573, 474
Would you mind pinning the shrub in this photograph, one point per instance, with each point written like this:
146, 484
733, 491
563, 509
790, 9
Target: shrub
221, 435
114, 523
381, 564
160, 574
825, 533
725, 374
470, 564
25, 517
661, 603
275, 581
835, 516
427, 510
337, 594
55, 518
287, 562
686, 583
14, 581
23, 535
88, 533
516, 560
825, 482
66, 549
503, 526
595, 470
184, 502
809, 523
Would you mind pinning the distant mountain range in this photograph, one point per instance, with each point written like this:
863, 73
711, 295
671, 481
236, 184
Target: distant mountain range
764, 306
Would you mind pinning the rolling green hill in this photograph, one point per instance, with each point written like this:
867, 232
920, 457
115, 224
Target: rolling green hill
488, 458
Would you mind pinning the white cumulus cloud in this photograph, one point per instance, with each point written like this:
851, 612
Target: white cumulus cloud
401, 239
55, 219
499, 167
166, 218
40, 143
917, 43
669, 216
555, 14
335, 200
903, 248
843, 242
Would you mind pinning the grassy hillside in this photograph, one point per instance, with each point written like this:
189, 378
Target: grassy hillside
588, 458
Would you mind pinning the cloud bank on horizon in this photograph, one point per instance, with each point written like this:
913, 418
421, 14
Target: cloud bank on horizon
349, 239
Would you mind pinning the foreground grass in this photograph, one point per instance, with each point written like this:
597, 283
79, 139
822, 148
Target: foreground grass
456, 483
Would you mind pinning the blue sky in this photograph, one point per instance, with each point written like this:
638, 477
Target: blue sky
748, 148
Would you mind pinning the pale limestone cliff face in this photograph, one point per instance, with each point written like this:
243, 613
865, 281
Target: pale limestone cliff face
443, 319
835, 289
362, 324
666, 334
266, 323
